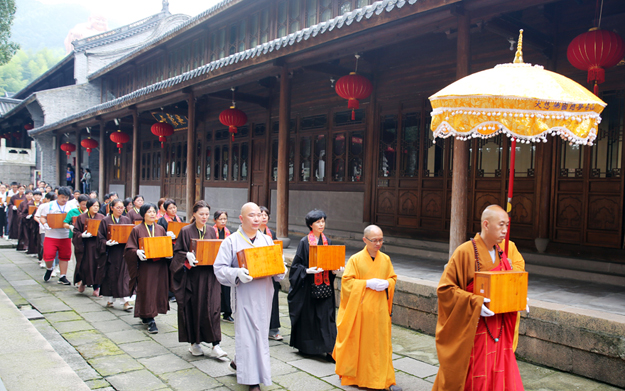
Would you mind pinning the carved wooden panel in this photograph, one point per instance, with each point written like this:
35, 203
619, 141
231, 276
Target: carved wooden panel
408, 202
431, 204
386, 201
568, 213
603, 213
482, 200
522, 208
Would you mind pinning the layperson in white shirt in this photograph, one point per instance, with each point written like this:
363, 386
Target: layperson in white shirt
57, 240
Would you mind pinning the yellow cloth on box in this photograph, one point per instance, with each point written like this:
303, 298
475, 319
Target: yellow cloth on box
363, 350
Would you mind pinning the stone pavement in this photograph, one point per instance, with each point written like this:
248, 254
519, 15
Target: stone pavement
109, 350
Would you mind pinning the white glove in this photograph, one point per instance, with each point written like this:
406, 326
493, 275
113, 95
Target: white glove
46, 226
171, 235
29, 216
71, 227
111, 242
485, 311
339, 270
191, 259
377, 284
527, 306
86, 235
244, 275
141, 255
314, 270
14, 207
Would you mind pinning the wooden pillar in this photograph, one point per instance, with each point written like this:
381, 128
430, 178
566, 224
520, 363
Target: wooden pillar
101, 165
370, 162
191, 155
267, 168
460, 177
282, 222
78, 160
134, 186
545, 187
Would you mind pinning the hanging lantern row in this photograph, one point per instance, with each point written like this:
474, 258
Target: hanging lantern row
595, 51
90, 144
120, 138
162, 130
68, 148
28, 127
233, 117
353, 87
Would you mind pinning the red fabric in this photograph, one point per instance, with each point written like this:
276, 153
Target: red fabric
493, 365
52, 245
323, 277
226, 231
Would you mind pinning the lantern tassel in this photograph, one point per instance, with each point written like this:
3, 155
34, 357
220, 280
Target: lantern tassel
596, 88
353, 114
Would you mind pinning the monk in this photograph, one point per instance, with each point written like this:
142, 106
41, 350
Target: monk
252, 300
474, 345
367, 290
33, 227
24, 223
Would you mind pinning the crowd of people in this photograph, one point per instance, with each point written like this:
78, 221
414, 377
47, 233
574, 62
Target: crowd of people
123, 275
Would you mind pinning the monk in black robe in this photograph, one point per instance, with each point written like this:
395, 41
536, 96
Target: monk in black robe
15, 221
34, 239
149, 276
112, 271
86, 249
24, 223
313, 314
198, 293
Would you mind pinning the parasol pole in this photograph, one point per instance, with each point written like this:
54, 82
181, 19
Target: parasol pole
510, 187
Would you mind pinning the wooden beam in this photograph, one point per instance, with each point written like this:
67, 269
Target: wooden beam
101, 162
241, 97
460, 176
191, 155
134, 186
282, 221
334, 70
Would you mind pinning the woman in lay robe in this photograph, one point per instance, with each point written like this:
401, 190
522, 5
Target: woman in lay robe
313, 320
198, 293
134, 212
86, 249
15, 225
274, 324
170, 215
222, 232
34, 240
112, 271
24, 223
149, 276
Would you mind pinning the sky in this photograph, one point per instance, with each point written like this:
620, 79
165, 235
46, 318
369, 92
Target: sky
128, 11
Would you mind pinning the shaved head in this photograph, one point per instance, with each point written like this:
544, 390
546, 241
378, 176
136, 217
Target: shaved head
492, 211
250, 219
372, 230
495, 222
246, 208
374, 239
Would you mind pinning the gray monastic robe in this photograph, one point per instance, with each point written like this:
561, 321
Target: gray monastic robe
252, 304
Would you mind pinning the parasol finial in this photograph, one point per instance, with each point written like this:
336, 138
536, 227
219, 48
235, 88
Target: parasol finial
518, 57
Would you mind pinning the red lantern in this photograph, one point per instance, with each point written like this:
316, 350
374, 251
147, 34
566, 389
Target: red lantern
232, 118
120, 138
353, 87
16, 135
28, 127
162, 130
68, 148
594, 51
90, 144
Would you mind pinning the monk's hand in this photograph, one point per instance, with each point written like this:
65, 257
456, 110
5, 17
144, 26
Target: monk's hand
86, 235
485, 311
191, 259
377, 284
339, 270
111, 242
314, 270
527, 306
14, 207
29, 217
71, 227
141, 255
171, 234
244, 275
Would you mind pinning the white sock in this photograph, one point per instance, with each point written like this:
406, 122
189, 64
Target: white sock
50, 268
62, 275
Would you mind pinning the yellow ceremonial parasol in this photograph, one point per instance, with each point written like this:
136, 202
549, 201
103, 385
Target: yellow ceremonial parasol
523, 101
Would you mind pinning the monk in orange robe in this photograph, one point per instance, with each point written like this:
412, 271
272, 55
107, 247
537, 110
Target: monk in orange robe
367, 290
474, 345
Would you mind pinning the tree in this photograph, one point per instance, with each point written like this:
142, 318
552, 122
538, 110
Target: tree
26, 66
7, 48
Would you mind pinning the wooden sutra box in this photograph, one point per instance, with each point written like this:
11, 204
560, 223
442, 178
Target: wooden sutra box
92, 226
55, 220
507, 290
279, 243
205, 250
327, 257
156, 247
17, 203
119, 232
261, 261
31, 209
175, 227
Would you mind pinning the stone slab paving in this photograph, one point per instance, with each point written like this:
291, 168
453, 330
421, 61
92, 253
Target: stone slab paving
108, 349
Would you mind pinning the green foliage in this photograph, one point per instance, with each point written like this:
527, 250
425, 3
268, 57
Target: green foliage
7, 48
25, 67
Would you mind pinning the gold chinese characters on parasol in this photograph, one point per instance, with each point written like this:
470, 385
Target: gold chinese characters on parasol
521, 100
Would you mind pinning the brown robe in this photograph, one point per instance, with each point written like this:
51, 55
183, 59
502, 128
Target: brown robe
15, 221
134, 216
24, 225
86, 252
150, 278
112, 271
34, 239
198, 293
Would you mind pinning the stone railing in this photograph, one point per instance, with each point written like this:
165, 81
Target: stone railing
21, 156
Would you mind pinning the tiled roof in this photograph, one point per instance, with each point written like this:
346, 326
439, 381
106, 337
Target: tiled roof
338, 22
6, 104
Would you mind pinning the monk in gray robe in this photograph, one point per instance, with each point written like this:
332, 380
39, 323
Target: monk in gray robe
252, 300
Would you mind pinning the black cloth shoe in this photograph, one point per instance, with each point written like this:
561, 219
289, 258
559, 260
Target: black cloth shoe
147, 320
329, 358
255, 388
63, 280
233, 366
394, 387
152, 329
228, 319
46, 277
